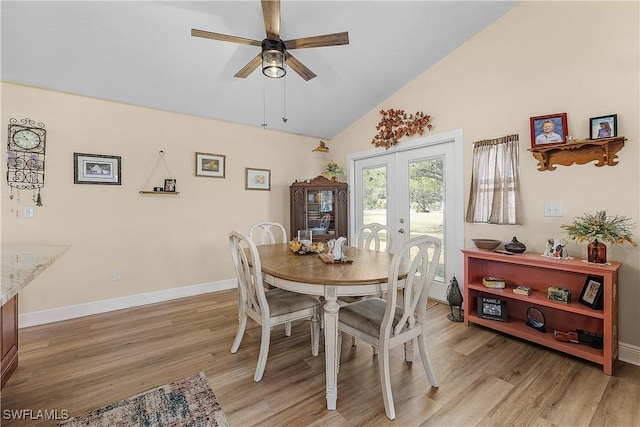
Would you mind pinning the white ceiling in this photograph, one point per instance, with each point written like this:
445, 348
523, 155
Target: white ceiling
142, 53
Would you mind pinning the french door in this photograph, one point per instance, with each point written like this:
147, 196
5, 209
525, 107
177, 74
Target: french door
414, 189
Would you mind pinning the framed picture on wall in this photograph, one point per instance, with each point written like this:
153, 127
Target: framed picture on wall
603, 126
549, 130
96, 169
211, 165
258, 179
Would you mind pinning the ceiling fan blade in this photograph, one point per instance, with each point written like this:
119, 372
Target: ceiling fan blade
250, 67
224, 37
271, 15
334, 39
299, 67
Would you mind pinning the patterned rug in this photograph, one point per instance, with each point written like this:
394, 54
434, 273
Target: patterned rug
188, 402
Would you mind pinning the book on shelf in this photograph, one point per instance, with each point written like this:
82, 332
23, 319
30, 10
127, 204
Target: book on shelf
522, 290
493, 282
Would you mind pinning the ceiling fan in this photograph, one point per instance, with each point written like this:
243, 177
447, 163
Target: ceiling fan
275, 52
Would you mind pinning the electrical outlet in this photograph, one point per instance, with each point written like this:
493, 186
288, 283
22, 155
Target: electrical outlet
116, 275
552, 209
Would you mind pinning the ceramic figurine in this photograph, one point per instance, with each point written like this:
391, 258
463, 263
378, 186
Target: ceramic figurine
337, 251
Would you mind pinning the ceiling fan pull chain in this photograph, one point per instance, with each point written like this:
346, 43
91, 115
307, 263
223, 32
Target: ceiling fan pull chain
284, 100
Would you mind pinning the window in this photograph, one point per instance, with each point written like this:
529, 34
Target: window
495, 183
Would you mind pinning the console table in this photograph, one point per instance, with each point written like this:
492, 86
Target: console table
20, 265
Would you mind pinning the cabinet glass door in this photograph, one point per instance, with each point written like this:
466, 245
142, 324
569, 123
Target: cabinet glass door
320, 212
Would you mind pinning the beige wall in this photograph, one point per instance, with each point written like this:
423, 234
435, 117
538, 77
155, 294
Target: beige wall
542, 58
157, 242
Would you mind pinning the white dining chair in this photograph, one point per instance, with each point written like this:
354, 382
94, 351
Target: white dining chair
388, 323
264, 233
370, 236
268, 308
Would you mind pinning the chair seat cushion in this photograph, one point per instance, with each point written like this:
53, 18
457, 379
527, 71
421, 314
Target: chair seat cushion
366, 315
284, 302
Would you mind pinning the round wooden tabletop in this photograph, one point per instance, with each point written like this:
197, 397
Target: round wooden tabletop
368, 266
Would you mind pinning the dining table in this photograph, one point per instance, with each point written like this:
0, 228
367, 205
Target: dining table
362, 272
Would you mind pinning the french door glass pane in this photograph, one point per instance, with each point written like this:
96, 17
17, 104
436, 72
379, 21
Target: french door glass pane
427, 202
374, 194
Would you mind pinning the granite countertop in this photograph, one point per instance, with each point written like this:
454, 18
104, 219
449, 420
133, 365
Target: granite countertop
21, 264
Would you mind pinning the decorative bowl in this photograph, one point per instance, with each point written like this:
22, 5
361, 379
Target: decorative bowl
302, 249
488, 244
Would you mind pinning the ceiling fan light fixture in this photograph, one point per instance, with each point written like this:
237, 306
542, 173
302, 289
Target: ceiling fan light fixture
273, 58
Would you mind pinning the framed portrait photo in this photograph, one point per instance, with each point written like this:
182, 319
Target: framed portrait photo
211, 165
603, 126
549, 130
96, 169
591, 294
170, 185
258, 179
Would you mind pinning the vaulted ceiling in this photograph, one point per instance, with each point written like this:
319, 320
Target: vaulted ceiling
142, 53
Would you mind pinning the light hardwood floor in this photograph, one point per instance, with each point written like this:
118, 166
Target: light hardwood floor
486, 379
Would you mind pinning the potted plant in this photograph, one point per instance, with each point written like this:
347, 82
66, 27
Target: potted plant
598, 229
331, 170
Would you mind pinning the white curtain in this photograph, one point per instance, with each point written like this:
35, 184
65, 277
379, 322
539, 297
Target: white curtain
495, 182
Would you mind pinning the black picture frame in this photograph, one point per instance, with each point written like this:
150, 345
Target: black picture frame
492, 308
603, 127
97, 169
592, 291
170, 185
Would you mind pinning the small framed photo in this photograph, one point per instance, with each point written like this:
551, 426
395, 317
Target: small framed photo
96, 169
492, 308
258, 179
603, 126
592, 290
170, 185
549, 130
211, 165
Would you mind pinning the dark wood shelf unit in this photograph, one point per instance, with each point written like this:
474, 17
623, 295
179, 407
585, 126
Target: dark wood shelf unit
603, 151
313, 200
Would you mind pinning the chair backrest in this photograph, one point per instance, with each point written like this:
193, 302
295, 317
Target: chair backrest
368, 234
246, 261
324, 223
264, 233
423, 254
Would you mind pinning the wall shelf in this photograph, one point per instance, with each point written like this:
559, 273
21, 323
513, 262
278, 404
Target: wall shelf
604, 151
159, 192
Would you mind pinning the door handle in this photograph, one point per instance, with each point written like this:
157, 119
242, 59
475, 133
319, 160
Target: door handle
401, 231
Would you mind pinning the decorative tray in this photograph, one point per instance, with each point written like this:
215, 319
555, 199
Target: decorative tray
328, 260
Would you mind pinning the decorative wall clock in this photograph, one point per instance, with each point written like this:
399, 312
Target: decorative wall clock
25, 157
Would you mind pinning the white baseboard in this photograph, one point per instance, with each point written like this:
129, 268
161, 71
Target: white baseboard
96, 307
629, 353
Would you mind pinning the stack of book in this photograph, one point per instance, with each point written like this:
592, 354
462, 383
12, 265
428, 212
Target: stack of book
493, 282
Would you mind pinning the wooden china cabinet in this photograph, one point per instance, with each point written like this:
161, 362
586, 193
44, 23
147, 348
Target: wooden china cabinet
321, 205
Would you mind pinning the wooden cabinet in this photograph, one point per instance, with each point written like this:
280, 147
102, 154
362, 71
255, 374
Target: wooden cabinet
321, 205
539, 273
9, 339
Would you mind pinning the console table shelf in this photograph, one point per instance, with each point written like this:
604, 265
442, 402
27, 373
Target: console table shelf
604, 151
537, 272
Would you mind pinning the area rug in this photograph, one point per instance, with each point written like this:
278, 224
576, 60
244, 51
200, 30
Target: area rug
188, 402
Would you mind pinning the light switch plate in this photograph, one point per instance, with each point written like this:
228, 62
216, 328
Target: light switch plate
552, 209
29, 211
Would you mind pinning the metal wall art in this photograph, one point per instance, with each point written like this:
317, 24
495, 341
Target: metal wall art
25, 157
